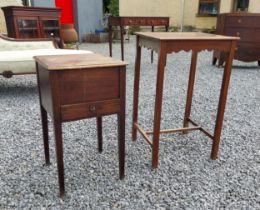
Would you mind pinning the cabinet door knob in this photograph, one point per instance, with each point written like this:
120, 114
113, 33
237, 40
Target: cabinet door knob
238, 33
239, 21
92, 108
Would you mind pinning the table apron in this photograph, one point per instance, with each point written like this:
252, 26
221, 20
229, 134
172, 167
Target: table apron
186, 45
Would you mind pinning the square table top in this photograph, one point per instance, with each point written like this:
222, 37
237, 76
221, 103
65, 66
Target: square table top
77, 61
164, 36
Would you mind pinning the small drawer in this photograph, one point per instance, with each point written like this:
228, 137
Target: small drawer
243, 21
85, 110
245, 34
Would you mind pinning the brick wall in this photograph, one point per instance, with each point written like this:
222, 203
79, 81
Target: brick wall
4, 3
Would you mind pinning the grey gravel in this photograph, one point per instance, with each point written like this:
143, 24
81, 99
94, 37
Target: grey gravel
186, 178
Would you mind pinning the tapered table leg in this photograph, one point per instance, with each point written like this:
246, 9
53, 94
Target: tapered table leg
222, 102
45, 135
136, 88
158, 108
190, 89
99, 134
59, 155
152, 50
122, 41
110, 39
121, 144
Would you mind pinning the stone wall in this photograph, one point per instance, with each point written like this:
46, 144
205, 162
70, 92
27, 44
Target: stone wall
4, 3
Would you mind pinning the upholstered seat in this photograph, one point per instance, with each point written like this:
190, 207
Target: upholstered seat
16, 56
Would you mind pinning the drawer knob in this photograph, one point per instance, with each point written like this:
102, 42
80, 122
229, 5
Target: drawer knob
238, 33
92, 108
239, 21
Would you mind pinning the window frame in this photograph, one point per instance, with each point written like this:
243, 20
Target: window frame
26, 2
236, 9
213, 13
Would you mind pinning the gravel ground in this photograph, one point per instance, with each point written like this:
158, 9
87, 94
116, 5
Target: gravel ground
186, 178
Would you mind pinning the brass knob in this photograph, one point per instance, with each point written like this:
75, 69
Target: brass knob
92, 108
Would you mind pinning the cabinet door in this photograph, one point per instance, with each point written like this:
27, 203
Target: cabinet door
50, 27
27, 27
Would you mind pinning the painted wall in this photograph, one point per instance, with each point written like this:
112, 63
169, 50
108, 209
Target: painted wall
169, 8
4, 3
43, 3
67, 11
172, 8
254, 6
226, 6
88, 16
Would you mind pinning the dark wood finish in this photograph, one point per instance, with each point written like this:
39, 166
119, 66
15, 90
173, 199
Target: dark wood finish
190, 89
247, 27
32, 22
73, 87
164, 43
133, 21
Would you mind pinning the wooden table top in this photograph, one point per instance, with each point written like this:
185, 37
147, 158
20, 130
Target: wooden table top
77, 61
184, 36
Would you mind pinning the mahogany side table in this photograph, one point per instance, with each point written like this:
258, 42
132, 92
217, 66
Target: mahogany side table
134, 21
164, 43
74, 87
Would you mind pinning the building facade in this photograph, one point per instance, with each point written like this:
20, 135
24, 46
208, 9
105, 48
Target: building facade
199, 14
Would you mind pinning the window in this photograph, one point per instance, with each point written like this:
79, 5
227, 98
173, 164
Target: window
240, 5
26, 2
208, 7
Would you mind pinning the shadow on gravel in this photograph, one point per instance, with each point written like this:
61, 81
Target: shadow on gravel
254, 68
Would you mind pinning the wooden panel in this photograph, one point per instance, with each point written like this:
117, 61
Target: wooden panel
245, 34
139, 21
45, 87
243, 21
79, 86
248, 51
85, 110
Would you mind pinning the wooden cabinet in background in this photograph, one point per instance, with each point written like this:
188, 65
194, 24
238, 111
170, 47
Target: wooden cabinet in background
32, 22
247, 27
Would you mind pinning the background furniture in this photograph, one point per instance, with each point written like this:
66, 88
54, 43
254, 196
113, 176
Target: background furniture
32, 22
247, 27
133, 21
74, 87
16, 55
165, 43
